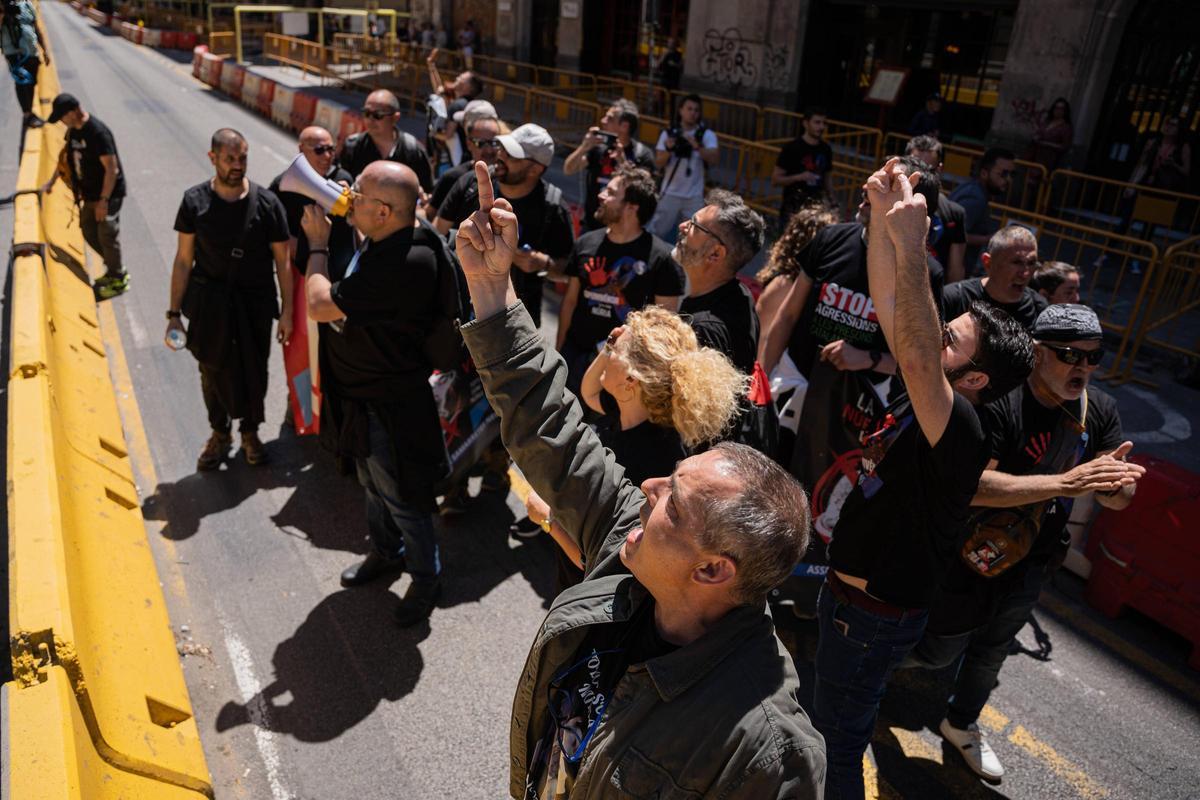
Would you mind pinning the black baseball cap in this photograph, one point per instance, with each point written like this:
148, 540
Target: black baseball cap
63, 104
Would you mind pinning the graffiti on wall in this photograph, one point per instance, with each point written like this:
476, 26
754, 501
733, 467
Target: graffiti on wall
730, 59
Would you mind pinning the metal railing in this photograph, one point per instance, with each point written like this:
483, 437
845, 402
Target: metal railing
1172, 318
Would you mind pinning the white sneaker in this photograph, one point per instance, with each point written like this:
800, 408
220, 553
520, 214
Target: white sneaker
978, 754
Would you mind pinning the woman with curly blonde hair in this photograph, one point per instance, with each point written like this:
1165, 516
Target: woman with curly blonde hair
787, 255
661, 395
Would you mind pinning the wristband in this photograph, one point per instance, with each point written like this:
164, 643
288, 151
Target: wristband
173, 314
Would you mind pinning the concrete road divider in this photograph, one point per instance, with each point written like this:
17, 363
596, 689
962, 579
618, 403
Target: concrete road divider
98, 707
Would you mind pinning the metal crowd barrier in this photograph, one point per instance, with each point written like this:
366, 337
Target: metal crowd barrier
1172, 318
1157, 215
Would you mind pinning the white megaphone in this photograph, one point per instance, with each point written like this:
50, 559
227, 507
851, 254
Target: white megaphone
301, 178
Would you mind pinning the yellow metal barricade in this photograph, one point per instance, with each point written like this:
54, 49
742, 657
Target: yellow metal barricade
724, 116
1172, 318
307, 56
1117, 271
566, 118
1157, 215
222, 43
853, 144
745, 167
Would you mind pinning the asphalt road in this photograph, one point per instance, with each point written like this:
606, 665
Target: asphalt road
305, 690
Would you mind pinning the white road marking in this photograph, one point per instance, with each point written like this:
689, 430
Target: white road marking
136, 329
256, 710
274, 155
1175, 427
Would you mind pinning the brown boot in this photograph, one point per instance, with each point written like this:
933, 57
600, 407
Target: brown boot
216, 449
253, 447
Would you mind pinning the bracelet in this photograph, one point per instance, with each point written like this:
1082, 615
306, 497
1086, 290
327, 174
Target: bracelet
548, 522
173, 314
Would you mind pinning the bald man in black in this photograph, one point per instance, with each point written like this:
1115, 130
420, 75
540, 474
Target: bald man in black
378, 406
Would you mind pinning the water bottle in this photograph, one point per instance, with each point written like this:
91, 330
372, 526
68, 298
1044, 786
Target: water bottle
176, 339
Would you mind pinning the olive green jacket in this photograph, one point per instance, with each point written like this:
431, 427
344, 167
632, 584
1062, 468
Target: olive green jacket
717, 718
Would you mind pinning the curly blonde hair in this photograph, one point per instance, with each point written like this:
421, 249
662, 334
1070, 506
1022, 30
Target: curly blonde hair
695, 390
800, 231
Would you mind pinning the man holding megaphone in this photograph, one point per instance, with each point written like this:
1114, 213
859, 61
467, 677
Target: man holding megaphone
377, 403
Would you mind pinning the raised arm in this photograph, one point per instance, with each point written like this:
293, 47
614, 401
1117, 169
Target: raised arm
560, 456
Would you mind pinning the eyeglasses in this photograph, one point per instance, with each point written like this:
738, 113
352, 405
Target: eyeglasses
482, 143
950, 341
1075, 356
372, 114
357, 196
322, 149
693, 224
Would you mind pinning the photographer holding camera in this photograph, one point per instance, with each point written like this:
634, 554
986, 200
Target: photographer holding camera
604, 150
683, 151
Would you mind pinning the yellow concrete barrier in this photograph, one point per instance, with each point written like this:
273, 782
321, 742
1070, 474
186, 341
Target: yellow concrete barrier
96, 672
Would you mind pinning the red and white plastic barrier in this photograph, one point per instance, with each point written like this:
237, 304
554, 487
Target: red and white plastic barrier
232, 75
210, 69
281, 106
328, 115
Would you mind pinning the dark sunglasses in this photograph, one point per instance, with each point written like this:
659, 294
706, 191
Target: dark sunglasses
482, 143
1074, 356
379, 114
322, 149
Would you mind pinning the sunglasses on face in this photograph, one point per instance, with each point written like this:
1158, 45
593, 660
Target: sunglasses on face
322, 149
482, 143
1075, 356
370, 114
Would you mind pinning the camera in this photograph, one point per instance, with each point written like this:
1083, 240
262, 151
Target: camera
607, 140
683, 148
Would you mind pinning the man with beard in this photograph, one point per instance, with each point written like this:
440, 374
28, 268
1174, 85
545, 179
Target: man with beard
1008, 264
379, 408
902, 523
994, 179
660, 674
713, 245
230, 232
383, 139
604, 150
1052, 439
619, 268
546, 232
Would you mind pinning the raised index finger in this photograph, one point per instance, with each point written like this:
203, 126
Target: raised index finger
486, 197
906, 185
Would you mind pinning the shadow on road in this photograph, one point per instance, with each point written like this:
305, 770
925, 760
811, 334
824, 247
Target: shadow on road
344, 660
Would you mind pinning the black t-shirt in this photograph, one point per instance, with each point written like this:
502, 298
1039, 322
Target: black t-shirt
725, 320
645, 450
87, 144
959, 296
1025, 437
543, 227
388, 298
446, 182
341, 235
904, 520
579, 695
217, 225
946, 227
839, 304
601, 165
799, 156
616, 279
359, 150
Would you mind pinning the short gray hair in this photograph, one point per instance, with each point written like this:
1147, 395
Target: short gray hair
1011, 236
742, 228
763, 528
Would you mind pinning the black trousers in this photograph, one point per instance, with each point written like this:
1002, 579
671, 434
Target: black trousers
25, 91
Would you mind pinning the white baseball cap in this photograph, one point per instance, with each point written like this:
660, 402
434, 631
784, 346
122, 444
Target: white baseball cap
529, 141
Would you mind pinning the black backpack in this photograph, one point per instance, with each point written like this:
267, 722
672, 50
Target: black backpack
444, 345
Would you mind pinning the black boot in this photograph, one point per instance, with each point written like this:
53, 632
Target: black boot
370, 568
418, 602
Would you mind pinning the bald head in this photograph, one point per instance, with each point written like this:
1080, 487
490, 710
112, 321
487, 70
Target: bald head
315, 136
394, 184
383, 99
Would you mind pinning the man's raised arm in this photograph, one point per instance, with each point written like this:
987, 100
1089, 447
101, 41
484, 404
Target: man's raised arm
540, 423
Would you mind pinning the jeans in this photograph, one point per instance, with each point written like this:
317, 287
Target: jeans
671, 211
980, 653
102, 236
856, 655
396, 528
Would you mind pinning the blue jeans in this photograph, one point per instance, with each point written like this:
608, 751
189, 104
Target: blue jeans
856, 655
980, 653
396, 528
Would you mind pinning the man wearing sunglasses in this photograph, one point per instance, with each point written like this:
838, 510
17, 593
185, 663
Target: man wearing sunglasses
993, 180
1042, 458
383, 139
317, 146
1009, 262
660, 675
481, 124
920, 467
377, 405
